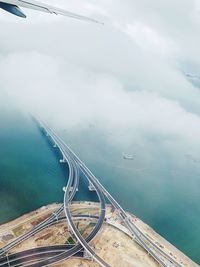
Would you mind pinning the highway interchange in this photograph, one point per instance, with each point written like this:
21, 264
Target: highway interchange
45, 256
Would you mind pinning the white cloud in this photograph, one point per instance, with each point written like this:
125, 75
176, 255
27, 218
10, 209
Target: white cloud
149, 39
126, 77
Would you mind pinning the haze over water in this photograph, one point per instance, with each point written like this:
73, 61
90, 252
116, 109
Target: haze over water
164, 193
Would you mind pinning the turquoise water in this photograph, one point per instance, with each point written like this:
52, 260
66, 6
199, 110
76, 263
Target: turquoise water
29, 173
163, 194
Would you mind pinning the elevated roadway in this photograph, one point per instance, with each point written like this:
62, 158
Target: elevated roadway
163, 258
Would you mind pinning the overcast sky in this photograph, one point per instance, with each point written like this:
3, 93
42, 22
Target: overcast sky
126, 77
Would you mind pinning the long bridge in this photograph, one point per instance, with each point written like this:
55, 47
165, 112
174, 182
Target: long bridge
46, 256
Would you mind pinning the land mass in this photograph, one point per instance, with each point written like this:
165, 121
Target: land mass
114, 243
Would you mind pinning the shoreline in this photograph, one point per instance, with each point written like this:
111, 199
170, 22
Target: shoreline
113, 226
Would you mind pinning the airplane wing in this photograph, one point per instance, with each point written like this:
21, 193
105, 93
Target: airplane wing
32, 4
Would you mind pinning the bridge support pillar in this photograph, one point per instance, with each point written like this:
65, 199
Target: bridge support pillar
63, 160
64, 189
70, 190
91, 187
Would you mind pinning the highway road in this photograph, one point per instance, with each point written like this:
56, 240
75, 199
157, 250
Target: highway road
73, 173
54, 255
93, 180
82, 241
153, 249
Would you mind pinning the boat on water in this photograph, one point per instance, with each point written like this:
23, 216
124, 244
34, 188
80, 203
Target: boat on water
128, 156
